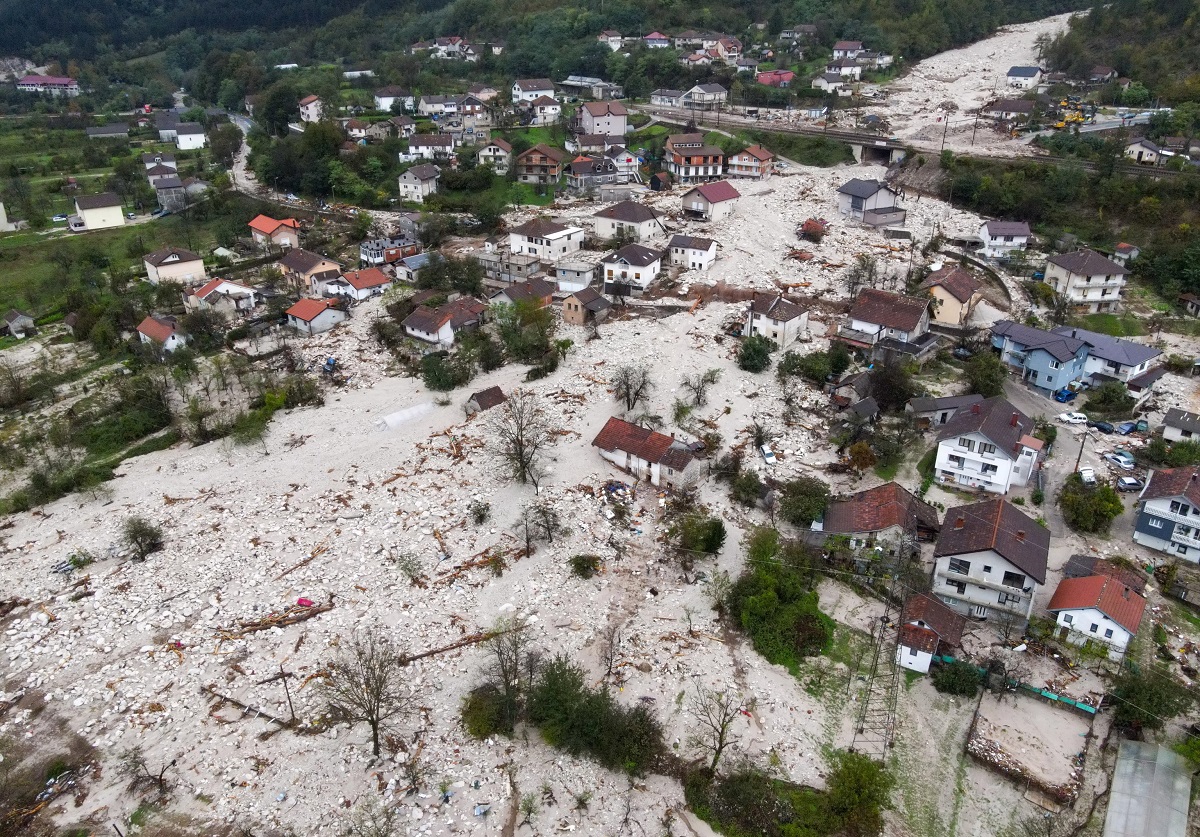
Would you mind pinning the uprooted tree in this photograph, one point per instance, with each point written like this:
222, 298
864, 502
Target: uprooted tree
522, 432
366, 683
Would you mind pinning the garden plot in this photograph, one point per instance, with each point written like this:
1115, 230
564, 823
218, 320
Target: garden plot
1031, 741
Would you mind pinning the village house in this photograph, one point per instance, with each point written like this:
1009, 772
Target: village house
220, 295
1190, 303
165, 122
705, 97
577, 270
630, 270
647, 455
419, 182
593, 87
755, 163
546, 239
692, 252
689, 159
442, 325
955, 294
54, 85
161, 172
585, 306
1045, 360
1124, 253
1089, 281
803, 31
1024, 78
544, 110
497, 154
171, 193
611, 39
1144, 152
266, 231
777, 319
375, 252
402, 126
934, 412
1004, 239
1008, 109
928, 627
1168, 513
610, 118
540, 164
528, 89
484, 400
113, 130
501, 266
190, 136
1101, 73
158, 158
710, 201
989, 561
588, 172
666, 98
311, 109
314, 316
851, 388
174, 264
1179, 425
776, 78
1112, 358
17, 324
386, 98
847, 49
1097, 609
847, 68
885, 324
303, 269
535, 290
100, 212
161, 332
429, 147
625, 162
887, 514
748, 66
409, 268
871, 202
989, 445
359, 284
656, 40
832, 83
628, 219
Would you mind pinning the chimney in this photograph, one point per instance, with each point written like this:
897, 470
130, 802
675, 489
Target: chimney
975, 409
1021, 535
960, 522
1014, 419
1125, 593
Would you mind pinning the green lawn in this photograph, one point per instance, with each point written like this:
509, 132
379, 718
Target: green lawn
1114, 325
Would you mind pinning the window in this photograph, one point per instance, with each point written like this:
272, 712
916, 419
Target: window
960, 586
957, 461
1180, 508
1094, 627
986, 568
1054, 364
1181, 548
958, 565
988, 469
1154, 523
1108, 633
969, 444
986, 447
912, 652
1014, 580
1068, 618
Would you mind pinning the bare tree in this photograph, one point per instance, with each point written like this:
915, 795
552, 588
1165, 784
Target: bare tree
134, 765
366, 683
632, 385
371, 818
522, 432
610, 645
715, 713
538, 522
699, 383
1060, 309
864, 273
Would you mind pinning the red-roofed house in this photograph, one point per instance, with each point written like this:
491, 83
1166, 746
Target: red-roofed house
163, 332
755, 162
711, 202
442, 324
776, 78
647, 455
314, 316
268, 231
927, 624
359, 284
311, 109
1097, 608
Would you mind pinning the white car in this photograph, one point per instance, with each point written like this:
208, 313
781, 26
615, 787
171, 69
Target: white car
1088, 475
1072, 418
768, 455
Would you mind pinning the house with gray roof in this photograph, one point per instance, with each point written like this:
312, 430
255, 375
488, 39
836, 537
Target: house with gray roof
870, 201
1044, 359
114, 130
1112, 358
1181, 426
934, 412
1004, 239
1091, 282
988, 446
1023, 78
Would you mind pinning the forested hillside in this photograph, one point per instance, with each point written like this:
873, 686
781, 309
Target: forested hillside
1156, 43
543, 36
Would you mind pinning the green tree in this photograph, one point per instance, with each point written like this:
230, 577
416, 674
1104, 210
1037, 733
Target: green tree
986, 374
804, 500
860, 789
1109, 400
1149, 700
1088, 508
755, 353
892, 385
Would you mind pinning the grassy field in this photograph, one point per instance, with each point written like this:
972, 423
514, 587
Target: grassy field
1114, 325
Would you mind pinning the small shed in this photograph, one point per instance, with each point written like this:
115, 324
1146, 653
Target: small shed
483, 400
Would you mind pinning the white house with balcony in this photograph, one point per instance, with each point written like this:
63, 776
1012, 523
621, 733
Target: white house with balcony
1097, 610
546, 239
1089, 281
990, 560
989, 446
1168, 514
1004, 239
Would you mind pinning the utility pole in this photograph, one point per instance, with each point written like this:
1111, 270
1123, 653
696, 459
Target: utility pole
1079, 458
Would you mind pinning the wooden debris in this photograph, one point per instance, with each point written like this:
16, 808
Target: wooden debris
288, 616
246, 708
322, 547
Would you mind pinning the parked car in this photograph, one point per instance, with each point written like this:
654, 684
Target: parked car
962, 353
1127, 427
768, 455
58, 219
1065, 396
1102, 426
1072, 418
1119, 461
1129, 484
1088, 475
130, 215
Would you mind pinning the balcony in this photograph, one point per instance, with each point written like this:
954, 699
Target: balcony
1185, 519
1187, 540
989, 585
866, 338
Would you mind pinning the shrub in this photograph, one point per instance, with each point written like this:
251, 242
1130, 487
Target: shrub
585, 566
483, 712
957, 678
141, 536
755, 353
1018, 501
697, 533
803, 500
1145, 702
773, 605
1038, 496
746, 488
480, 511
1088, 508
1110, 400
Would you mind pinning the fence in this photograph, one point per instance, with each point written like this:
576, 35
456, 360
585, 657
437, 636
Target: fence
1033, 690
